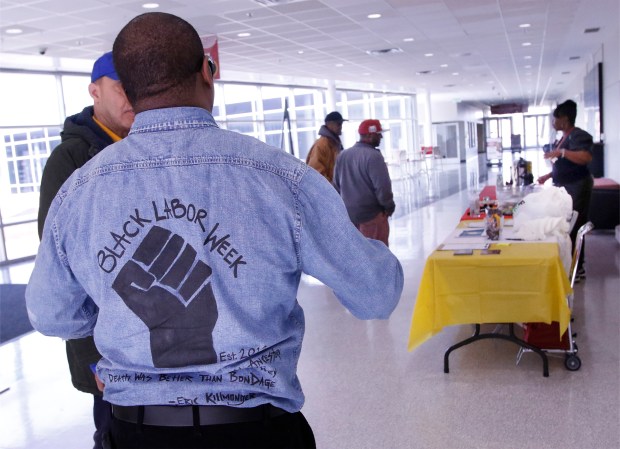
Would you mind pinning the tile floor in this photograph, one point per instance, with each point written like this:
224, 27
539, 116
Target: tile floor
363, 388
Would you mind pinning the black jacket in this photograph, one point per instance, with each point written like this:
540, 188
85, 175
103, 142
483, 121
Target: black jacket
81, 139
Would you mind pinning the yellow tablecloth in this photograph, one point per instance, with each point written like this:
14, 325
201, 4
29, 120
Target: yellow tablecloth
525, 283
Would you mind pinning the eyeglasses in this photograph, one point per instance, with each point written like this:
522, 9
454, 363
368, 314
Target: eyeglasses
212, 65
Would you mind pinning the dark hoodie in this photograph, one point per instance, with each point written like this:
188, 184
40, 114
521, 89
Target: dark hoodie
81, 139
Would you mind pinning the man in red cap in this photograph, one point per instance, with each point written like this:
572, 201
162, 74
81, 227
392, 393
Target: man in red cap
325, 150
362, 179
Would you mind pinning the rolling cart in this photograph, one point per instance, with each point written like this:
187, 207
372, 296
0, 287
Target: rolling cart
545, 336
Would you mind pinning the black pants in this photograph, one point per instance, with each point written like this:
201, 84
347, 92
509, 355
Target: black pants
290, 430
580, 191
102, 415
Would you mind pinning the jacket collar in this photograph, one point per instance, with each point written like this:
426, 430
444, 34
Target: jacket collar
326, 132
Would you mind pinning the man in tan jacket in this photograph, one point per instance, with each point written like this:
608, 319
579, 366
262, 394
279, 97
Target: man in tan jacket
322, 155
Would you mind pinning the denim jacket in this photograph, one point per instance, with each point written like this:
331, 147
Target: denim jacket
184, 259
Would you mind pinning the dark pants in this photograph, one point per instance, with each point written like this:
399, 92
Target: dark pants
102, 415
580, 192
290, 430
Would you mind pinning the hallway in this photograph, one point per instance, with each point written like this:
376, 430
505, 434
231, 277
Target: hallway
363, 388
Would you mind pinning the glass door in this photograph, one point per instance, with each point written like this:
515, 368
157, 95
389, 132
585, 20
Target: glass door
447, 141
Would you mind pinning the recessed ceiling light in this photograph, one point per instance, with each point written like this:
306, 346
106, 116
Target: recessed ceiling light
455, 73
13, 31
527, 57
528, 66
428, 55
300, 52
408, 39
339, 65
384, 51
374, 16
524, 25
443, 65
526, 44
150, 5
244, 34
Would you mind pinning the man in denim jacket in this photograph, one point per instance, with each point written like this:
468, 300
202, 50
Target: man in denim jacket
186, 256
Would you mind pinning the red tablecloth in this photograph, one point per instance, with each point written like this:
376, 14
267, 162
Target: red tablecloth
466, 216
489, 191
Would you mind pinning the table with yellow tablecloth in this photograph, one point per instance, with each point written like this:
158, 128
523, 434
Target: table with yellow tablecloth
526, 282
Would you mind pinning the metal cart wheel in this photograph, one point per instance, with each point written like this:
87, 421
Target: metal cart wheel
572, 362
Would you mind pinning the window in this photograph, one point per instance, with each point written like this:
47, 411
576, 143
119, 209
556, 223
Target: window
75, 93
305, 139
29, 133
29, 100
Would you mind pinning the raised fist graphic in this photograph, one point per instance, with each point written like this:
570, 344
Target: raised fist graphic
165, 286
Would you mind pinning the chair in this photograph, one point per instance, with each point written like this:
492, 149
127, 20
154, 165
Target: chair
398, 165
437, 155
404, 163
425, 153
571, 361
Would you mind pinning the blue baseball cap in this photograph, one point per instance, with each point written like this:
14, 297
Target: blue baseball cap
104, 67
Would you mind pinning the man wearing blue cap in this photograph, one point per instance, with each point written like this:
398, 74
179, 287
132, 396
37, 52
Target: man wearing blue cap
83, 136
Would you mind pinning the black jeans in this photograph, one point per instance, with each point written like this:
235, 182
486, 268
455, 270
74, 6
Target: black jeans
290, 430
580, 191
102, 415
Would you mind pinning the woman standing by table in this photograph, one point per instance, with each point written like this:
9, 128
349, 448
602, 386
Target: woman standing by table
572, 154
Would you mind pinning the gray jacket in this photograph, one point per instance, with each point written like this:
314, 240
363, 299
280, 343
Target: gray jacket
362, 179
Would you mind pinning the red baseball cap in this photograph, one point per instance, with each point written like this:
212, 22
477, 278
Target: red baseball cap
370, 126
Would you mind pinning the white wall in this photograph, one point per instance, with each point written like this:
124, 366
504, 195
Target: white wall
611, 103
444, 111
609, 55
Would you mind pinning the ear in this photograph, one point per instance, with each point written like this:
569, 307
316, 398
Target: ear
93, 90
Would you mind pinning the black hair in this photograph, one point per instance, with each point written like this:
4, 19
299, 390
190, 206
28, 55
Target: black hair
567, 109
157, 54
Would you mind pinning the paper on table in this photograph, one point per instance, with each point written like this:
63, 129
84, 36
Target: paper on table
477, 238
471, 232
457, 246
